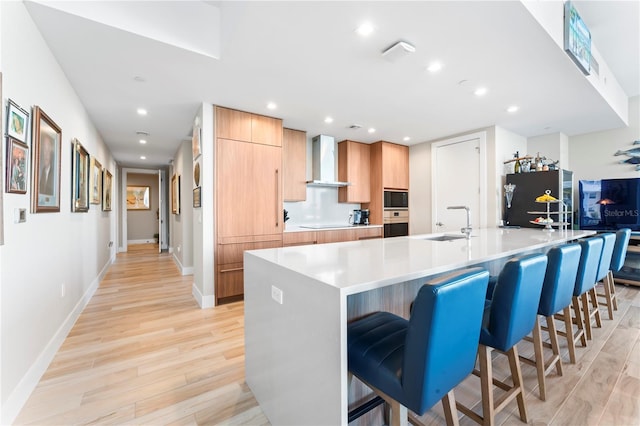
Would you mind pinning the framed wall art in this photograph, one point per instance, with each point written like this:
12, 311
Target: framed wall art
80, 178
45, 171
195, 142
138, 198
107, 185
175, 194
197, 197
95, 182
17, 122
17, 155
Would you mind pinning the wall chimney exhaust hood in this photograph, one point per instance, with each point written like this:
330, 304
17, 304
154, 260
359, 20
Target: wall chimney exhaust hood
324, 162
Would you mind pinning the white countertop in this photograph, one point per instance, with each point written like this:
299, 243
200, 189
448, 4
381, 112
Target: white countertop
357, 266
326, 227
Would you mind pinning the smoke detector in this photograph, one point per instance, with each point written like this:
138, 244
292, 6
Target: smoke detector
355, 127
398, 51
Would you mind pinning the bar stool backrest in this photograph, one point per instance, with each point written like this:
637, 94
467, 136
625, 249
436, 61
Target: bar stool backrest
515, 302
560, 278
609, 242
589, 262
620, 249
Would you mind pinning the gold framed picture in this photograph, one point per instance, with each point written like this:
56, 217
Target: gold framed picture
138, 198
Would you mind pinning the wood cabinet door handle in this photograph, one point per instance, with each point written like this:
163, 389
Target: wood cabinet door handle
277, 206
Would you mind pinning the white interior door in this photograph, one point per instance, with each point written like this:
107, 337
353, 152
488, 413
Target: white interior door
459, 179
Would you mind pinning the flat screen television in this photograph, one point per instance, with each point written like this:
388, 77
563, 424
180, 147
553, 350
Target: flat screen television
609, 204
577, 38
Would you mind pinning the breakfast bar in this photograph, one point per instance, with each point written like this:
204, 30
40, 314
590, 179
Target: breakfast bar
298, 301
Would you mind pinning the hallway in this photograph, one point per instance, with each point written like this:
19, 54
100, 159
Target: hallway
143, 352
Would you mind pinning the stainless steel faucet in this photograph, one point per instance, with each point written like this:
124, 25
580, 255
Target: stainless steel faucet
467, 230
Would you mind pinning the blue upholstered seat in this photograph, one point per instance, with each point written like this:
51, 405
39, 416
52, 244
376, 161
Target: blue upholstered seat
557, 292
417, 362
617, 261
509, 317
512, 312
586, 281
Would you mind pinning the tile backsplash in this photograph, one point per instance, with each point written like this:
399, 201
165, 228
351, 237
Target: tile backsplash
320, 207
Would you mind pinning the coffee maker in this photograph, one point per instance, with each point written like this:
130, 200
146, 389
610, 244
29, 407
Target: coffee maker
361, 217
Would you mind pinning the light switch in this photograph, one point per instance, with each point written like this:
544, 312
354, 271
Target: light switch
20, 215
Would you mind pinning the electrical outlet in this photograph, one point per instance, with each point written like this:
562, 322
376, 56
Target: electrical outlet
276, 294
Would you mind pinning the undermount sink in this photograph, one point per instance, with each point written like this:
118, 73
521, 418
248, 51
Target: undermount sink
443, 237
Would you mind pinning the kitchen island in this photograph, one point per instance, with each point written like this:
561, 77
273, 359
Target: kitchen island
298, 301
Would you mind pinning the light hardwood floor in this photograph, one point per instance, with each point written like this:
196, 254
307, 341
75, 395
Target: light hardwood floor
142, 352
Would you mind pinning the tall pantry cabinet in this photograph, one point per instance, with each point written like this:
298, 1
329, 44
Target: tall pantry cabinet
249, 216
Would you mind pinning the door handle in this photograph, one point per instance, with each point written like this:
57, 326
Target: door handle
439, 224
277, 207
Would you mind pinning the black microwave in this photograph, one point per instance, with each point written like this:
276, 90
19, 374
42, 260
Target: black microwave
396, 199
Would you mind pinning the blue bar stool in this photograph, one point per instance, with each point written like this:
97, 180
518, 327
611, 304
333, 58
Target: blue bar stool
557, 292
586, 282
617, 261
593, 313
508, 318
417, 362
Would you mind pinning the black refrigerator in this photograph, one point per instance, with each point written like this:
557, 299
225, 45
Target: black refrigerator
533, 184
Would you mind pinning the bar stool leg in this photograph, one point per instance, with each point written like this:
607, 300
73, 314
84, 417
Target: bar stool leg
516, 375
486, 384
539, 358
568, 326
449, 407
612, 282
555, 347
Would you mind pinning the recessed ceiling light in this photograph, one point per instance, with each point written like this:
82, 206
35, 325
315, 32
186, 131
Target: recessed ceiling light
142, 111
272, 105
480, 91
434, 67
371, 130
513, 108
142, 141
142, 157
406, 139
365, 29
328, 120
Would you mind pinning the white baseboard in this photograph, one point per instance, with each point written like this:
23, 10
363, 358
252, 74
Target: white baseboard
147, 241
184, 270
205, 302
29, 381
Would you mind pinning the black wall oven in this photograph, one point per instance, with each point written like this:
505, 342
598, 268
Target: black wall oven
396, 199
396, 223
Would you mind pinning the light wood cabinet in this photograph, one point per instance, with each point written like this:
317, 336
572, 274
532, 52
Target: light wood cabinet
395, 166
330, 236
230, 270
294, 164
248, 127
354, 166
248, 167
233, 124
389, 170
336, 236
368, 233
249, 188
299, 238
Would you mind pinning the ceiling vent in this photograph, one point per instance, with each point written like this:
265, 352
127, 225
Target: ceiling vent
398, 51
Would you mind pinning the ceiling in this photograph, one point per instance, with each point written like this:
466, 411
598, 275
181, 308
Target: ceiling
307, 58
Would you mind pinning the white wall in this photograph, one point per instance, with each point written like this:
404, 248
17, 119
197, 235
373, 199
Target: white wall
182, 224
554, 146
204, 218
506, 143
591, 156
50, 250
